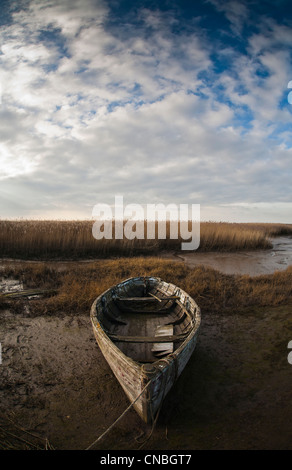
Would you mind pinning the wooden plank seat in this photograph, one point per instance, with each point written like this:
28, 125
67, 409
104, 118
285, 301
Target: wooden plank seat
147, 339
139, 312
152, 298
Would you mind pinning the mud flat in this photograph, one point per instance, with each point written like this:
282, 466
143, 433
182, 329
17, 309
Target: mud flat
252, 263
235, 392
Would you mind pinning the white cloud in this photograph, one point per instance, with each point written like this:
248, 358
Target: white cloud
88, 112
235, 11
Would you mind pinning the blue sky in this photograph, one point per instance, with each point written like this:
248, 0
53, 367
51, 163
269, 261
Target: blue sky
169, 101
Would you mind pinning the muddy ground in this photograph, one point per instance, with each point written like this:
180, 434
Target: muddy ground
235, 392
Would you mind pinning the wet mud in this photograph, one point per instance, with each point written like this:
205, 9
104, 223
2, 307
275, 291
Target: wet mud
253, 263
235, 392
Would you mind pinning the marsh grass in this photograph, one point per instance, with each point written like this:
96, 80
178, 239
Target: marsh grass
32, 239
15, 437
79, 284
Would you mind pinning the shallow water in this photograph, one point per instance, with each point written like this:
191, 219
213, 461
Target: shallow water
252, 263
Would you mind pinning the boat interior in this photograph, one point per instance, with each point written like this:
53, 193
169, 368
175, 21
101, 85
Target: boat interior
146, 319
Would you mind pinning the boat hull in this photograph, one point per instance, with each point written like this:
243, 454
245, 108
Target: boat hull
133, 376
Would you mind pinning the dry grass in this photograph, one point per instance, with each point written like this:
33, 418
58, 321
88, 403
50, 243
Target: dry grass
272, 230
15, 437
79, 284
73, 239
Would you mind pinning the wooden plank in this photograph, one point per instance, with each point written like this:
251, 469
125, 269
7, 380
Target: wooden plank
147, 339
164, 330
135, 299
146, 299
179, 320
155, 297
153, 312
109, 315
161, 349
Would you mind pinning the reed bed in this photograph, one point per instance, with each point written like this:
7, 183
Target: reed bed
74, 240
79, 284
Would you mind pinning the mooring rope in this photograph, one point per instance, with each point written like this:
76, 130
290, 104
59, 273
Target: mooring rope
152, 428
119, 418
164, 383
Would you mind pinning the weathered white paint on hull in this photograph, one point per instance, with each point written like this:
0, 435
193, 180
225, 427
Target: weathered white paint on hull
133, 376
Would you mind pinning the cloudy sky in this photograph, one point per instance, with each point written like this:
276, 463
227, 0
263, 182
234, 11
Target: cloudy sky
159, 101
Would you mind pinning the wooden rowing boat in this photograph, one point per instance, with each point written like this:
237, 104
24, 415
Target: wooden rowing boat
147, 330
